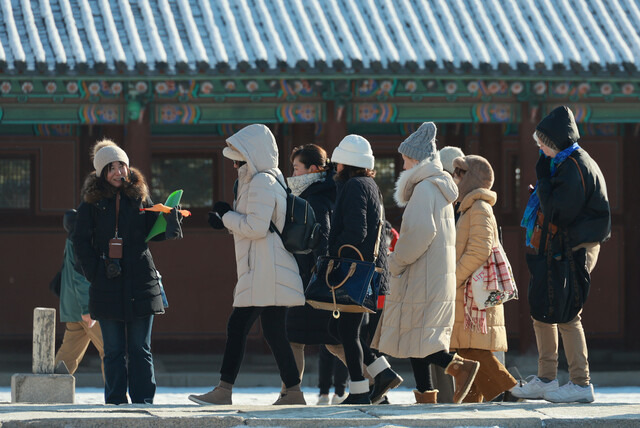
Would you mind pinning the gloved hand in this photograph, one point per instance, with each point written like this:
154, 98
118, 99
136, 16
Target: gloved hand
543, 167
215, 221
221, 207
174, 224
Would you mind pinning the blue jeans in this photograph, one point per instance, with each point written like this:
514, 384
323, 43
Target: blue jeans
128, 361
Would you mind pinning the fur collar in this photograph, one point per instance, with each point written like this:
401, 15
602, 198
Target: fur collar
93, 189
428, 169
482, 194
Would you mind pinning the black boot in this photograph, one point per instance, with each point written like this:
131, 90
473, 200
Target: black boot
362, 398
383, 382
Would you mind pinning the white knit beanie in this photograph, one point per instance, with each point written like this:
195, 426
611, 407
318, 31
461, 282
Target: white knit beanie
105, 152
354, 150
447, 155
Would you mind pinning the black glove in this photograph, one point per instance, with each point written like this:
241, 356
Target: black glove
215, 221
174, 227
543, 167
221, 207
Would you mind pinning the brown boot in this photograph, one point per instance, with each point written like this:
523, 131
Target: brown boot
221, 394
463, 372
427, 397
290, 396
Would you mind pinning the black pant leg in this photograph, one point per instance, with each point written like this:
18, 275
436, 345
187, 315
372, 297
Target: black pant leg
349, 330
273, 326
326, 362
422, 374
240, 322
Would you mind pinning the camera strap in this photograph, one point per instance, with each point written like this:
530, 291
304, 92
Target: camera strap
117, 212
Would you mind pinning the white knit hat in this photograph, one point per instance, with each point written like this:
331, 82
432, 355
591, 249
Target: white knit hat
447, 155
354, 150
105, 152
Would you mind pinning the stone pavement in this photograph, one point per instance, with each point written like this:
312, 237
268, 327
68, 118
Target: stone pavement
526, 414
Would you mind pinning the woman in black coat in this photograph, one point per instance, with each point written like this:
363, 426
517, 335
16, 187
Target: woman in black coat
125, 291
313, 181
356, 221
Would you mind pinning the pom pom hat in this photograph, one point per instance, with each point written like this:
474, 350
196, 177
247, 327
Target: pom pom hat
354, 150
105, 152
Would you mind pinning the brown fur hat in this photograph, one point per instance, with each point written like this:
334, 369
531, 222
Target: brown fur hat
479, 174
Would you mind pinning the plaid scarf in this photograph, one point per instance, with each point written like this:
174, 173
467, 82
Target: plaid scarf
497, 278
533, 205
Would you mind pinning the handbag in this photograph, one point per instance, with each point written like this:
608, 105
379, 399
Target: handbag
344, 285
347, 285
493, 283
559, 286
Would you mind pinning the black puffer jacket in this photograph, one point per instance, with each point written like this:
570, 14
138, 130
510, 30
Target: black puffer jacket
136, 292
305, 324
583, 210
355, 221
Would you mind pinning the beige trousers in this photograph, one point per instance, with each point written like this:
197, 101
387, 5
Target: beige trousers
573, 339
77, 336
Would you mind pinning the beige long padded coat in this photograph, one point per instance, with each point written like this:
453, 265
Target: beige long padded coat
476, 235
267, 272
418, 313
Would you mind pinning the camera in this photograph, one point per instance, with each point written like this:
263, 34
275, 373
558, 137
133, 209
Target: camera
112, 267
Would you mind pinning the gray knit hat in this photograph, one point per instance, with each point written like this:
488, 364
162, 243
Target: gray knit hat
421, 144
105, 152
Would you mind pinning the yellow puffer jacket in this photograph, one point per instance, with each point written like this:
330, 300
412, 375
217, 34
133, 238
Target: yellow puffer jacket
476, 235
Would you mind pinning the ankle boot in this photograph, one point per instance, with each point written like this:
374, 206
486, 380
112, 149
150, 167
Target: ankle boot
384, 379
358, 393
463, 372
290, 396
221, 394
427, 397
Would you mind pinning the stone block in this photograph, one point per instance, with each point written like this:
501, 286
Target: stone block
43, 388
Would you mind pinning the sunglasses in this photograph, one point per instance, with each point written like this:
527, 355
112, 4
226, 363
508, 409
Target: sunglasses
238, 163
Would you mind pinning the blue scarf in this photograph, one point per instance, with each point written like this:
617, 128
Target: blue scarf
533, 205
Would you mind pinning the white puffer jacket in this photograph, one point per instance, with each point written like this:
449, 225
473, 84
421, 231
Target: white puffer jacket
419, 311
267, 272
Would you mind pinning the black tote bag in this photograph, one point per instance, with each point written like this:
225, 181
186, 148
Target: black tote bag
559, 286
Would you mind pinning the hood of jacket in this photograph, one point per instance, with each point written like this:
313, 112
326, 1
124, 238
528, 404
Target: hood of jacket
94, 189
560, 126
483, 194
430, 170
258, 146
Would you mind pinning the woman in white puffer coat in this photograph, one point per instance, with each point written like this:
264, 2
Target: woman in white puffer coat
268, 278
418, 315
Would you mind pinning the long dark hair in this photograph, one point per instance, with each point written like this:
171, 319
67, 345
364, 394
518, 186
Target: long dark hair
353, 171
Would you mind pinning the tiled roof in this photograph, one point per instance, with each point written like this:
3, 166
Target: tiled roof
168, 37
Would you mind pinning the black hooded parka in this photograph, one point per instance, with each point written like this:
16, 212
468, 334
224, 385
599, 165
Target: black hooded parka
136, 292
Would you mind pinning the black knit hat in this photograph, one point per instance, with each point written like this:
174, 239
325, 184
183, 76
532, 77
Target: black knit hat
560, 127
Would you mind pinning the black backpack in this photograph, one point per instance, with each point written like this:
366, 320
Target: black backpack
301, 232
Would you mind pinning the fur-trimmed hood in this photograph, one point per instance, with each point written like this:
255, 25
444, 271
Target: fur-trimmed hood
93, 189
428, 169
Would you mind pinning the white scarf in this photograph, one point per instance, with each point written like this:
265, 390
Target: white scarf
299, 183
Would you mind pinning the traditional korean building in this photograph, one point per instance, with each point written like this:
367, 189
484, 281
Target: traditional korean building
169, 80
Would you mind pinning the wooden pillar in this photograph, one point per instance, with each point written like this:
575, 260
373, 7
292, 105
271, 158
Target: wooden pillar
631, 178
44, 333
528, 157
137, 142
336, 126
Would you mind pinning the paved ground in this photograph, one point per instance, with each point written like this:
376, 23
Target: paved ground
614, 407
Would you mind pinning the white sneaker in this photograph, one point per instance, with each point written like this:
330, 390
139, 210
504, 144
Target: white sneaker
534, 389
337, 399
323, 400
571, 393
